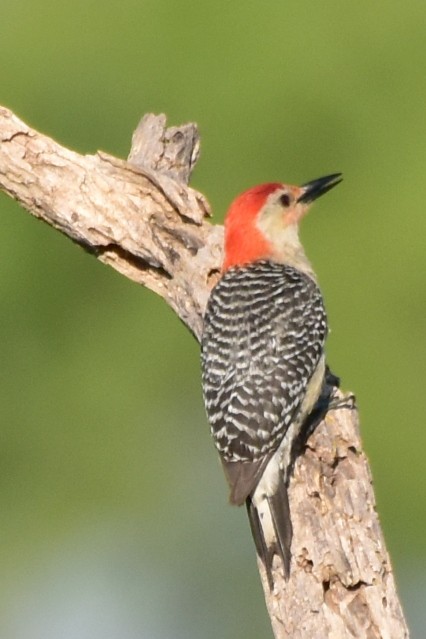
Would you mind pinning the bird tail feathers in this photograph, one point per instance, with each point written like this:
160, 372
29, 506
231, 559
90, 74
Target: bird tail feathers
272, 531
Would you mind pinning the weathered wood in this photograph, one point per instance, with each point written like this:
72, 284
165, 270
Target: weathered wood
141, 222
141, 218
342, 583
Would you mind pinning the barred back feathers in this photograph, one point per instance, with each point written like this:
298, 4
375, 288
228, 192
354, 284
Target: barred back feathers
265, 328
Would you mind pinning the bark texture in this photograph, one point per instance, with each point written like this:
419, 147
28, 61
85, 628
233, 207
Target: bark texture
140, 217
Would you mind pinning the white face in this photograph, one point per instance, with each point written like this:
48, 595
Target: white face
281, 214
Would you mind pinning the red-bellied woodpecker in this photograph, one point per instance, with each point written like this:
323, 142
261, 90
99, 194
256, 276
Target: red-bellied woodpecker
263, 362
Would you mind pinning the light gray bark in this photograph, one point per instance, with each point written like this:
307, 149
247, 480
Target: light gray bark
140, 217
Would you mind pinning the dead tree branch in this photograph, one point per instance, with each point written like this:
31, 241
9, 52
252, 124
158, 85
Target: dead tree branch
141, 217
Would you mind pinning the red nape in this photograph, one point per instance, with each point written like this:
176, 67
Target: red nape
244, 242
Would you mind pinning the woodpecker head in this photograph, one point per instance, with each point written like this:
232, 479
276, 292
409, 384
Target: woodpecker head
263, 222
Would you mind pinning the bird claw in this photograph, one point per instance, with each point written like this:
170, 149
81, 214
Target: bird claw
340, 403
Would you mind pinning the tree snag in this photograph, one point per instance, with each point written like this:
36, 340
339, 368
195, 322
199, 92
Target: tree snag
141, 217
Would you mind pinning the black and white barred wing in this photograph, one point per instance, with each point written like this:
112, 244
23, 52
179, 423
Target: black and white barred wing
265, 328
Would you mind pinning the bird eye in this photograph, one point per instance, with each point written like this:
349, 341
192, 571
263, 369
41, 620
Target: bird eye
285, 199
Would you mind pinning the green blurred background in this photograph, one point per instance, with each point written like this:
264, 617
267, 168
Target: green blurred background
114, 515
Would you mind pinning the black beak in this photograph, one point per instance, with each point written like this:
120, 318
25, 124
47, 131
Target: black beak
314, 189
